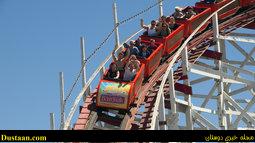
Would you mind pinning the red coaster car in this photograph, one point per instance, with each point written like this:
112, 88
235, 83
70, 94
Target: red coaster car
117, 94
170, 42
225, 12
192, 23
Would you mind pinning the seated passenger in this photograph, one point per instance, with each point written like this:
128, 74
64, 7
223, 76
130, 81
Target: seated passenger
171, 23
126, 50
144, 53
164, 30
113, 73
162, 20
120, 61
133, 49
133, 60
131, 68
130, 72
151, 31
178, 14
152, 45
190, 12
138, 43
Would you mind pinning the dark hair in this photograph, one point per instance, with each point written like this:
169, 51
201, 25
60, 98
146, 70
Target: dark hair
163, 16
126, 45
189, 8
113, 63
143, 46
153, 21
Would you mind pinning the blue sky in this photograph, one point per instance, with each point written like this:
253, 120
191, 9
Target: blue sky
40, 38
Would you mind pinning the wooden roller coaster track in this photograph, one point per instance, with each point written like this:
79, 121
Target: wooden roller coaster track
140, 113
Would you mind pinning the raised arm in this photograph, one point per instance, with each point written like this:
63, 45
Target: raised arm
113, 56
126, 57
142, 24
182, 15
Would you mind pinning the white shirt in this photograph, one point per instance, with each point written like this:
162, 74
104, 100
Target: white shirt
129, 75
152, 32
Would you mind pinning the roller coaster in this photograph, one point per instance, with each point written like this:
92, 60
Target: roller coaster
166, 96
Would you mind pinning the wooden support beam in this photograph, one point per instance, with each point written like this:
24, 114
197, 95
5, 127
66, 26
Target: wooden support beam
183, 88
212, 54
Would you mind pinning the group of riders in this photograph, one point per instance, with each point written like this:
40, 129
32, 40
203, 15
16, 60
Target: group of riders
126, 65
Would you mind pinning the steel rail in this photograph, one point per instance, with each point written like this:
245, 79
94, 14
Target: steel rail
177, 54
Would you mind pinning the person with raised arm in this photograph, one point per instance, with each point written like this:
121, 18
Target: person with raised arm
178, 14
165, 30
131, 68
161, 20
171, 22
190, 12
150, 30
120, 61
135, 62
